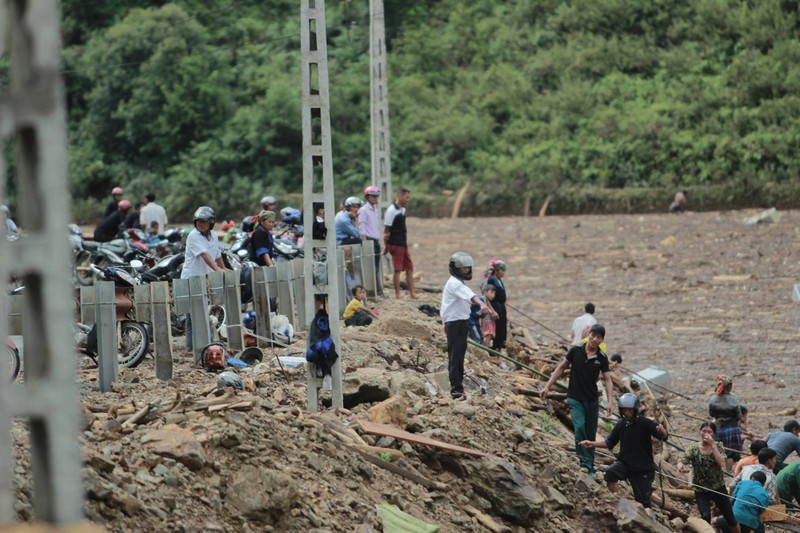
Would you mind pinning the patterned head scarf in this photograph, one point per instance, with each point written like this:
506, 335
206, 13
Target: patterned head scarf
723, 382
494, 265
263, 215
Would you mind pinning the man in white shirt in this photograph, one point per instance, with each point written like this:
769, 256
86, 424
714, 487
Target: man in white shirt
456, 301
369, 225
202, 254
580, 325
152, 212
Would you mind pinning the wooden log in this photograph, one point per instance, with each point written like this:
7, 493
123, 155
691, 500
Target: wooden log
400, 471
339, 429
243, 405
138, 416
777, 513
668, 506
698, 525
390, 431
683, 494
487, 521
394, 455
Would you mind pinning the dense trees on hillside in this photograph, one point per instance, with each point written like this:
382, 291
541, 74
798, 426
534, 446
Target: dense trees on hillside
197, 100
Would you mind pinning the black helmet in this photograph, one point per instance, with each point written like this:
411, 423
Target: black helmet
205, 213
461, 260
629, 401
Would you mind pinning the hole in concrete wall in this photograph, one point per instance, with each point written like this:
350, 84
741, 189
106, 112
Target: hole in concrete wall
316, 126
313, 78
312, 35
28, 154
318, 177
35, 328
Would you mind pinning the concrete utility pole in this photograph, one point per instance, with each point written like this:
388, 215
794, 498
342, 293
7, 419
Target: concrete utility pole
33, 114
318, 187
379, 105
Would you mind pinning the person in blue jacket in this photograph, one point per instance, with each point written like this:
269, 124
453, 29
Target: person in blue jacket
749, 499
345, 222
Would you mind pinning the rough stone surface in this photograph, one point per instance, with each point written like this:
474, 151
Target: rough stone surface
263, 495
177, 443
391, 411
632, 518
506, 489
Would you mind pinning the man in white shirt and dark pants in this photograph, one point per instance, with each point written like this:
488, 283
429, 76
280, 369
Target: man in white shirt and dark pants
456, 301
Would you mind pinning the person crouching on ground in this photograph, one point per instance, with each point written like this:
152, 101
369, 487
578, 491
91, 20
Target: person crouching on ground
586, 362
750, 499
356, 313
456, 300
635, 458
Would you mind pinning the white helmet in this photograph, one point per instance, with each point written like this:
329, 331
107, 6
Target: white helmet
268, 200
353, 201
461, 260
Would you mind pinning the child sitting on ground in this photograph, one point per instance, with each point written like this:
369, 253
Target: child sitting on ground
152, 233
356, 313
488, 326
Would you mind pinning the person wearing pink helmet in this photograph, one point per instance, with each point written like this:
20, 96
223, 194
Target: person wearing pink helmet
109, 228
113, 205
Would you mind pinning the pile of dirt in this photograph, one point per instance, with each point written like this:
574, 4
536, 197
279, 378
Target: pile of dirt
175, 456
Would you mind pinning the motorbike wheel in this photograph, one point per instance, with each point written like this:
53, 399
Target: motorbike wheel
83, 270
218, 312
134, 343
12, 356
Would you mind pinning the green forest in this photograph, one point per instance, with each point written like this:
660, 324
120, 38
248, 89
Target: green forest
610, 105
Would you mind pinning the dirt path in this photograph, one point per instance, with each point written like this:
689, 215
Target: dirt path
698, 294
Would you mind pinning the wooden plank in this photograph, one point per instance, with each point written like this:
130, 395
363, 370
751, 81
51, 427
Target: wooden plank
778, 513
389, 431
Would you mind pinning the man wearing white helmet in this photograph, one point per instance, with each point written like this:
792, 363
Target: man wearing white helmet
456, 301
202, 254
345, 223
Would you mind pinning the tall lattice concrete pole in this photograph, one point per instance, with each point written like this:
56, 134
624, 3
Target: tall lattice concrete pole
379, 105
33, 115
318, 186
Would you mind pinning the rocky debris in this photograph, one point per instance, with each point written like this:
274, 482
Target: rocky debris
768, 216
506, 489
634, 519
263, 495
365, 385
174, 456
176, 443
391, 411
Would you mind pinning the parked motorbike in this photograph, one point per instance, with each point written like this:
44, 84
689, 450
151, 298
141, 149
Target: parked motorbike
12, 359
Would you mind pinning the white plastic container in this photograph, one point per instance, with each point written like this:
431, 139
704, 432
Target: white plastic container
652, 376
290, 362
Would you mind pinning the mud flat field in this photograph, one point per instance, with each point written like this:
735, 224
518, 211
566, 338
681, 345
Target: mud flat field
698, 294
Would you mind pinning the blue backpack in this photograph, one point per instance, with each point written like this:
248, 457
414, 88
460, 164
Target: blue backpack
321, 351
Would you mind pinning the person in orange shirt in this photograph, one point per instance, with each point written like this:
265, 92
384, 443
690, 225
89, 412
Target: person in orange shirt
752, 459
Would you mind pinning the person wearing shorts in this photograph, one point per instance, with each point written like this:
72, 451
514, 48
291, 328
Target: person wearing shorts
395, 237
634, 464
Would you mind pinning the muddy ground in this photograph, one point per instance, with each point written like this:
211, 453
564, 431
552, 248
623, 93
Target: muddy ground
698, 294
